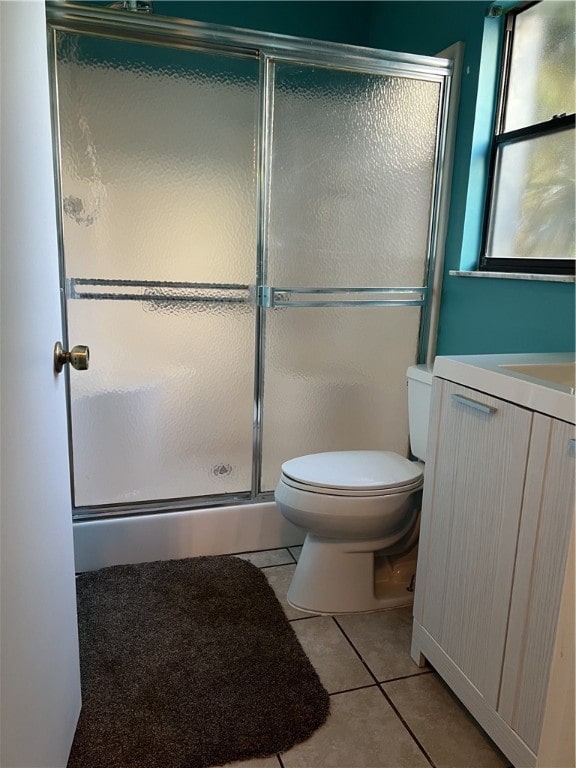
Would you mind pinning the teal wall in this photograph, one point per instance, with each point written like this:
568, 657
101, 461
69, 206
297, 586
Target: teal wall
340, 22
478, 315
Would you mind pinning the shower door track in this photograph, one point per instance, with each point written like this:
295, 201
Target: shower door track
269, 49
183, 33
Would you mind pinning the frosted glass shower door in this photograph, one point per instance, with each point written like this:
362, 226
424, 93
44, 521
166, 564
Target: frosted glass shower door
353, 161
158, 176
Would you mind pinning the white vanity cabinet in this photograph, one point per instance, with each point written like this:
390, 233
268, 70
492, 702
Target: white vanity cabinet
543, 541
496, 519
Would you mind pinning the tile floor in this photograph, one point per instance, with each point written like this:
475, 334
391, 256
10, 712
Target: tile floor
385, 711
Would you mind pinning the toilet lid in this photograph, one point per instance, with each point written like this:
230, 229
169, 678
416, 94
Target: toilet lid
353, 470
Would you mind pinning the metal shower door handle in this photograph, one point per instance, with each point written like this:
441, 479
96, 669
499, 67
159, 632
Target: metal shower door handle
78, 357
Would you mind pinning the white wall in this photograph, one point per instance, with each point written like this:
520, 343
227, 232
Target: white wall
40, 680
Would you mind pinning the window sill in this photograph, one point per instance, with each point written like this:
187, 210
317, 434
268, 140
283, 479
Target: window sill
513, 276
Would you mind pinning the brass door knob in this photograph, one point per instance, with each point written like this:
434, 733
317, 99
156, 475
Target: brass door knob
78, 357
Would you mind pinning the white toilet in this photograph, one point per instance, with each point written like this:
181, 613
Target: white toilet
361, 511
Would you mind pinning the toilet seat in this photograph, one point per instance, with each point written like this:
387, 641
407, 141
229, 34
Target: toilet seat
352, 493
353, 473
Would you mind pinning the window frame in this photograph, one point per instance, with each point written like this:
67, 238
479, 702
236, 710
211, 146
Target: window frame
501, 138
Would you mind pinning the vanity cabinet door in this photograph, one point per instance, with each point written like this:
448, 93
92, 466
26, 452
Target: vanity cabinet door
475, 472
540, 566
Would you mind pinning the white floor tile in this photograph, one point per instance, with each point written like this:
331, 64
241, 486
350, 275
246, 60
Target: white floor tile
383, 640
444, 728
267, 557
362, 731
296, 552
279, 579
332, 656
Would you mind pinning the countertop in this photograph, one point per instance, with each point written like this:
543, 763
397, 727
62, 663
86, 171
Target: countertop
537, 391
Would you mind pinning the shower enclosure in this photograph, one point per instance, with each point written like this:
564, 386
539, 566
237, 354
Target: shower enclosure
249, 236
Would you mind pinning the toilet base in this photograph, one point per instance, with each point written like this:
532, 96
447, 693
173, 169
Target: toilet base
334, 577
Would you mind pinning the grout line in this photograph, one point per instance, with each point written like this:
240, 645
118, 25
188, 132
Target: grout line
292, 561
291, 555
378, 682
305, 618
353, 690
405, 724
257, 551
273, 565
356, 651
388, 699
405, 677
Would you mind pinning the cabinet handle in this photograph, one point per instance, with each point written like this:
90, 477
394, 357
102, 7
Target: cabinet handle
474, 404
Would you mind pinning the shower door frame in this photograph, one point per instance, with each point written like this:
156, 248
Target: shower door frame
268, 49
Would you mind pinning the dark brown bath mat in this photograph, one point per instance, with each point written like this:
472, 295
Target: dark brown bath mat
187, 664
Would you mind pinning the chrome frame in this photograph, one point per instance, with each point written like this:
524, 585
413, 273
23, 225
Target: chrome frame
274, 298
428, 326
57, 160
269, 49
263, 189
159, 30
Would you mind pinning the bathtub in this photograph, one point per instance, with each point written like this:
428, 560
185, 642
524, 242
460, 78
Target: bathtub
184, 533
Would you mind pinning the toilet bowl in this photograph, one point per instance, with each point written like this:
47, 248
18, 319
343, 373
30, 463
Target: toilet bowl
355, 505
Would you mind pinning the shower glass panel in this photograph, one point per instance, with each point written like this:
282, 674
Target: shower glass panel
158, 179
335, 380
171, 416
352, 178
351, 189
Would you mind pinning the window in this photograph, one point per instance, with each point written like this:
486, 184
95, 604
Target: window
529, 223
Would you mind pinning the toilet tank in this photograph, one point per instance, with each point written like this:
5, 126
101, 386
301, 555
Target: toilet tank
419, 391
